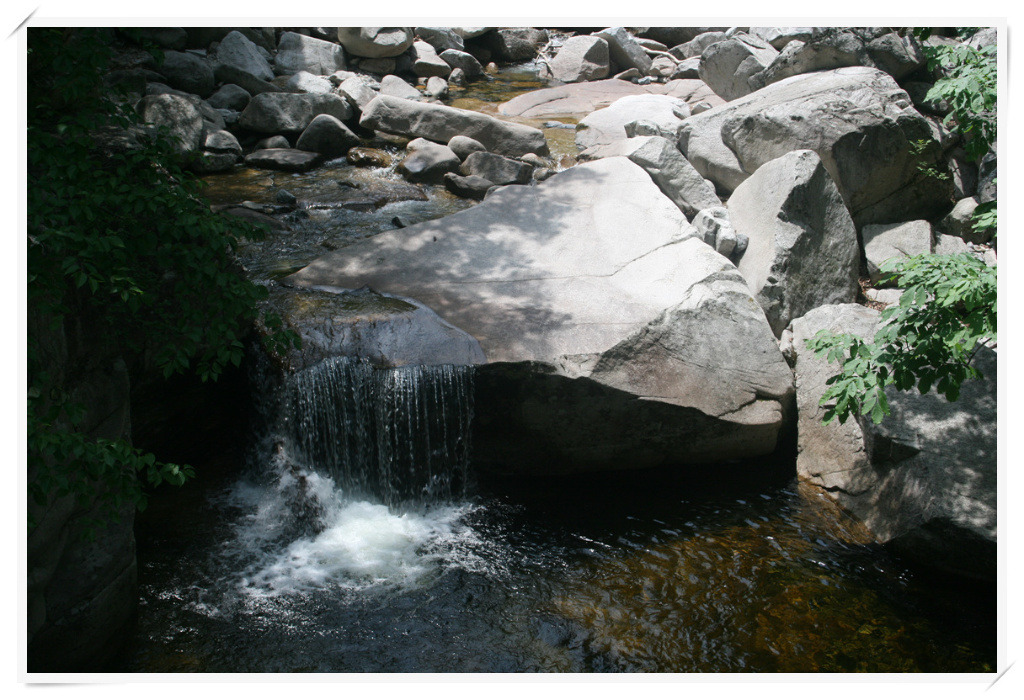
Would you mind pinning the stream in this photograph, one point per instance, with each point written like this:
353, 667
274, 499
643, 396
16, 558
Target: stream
294, 555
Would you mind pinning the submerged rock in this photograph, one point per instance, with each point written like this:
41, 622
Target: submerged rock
612, 340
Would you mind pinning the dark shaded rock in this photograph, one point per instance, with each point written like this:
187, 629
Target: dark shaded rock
469, 186
188, 72
287, 159
326, 135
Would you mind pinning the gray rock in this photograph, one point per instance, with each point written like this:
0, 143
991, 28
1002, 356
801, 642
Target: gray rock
230, 97
886, 241
327, 135
463, 146
673, 174
596, 326
393, 86
580, 99
857, 119
307, 82
607, 125
924, 480
174, 38
498, 169
986, 36
958, 222
428, 162
375, 42
440, 123
899, 56
803, 249
272, 142
581, 58
726, 66
695, 47
714, 227
829, 50
625, 52
212, 162
378, 66
987, 170
287, 159
458, 77
441, 38
469, 186
780, 36
274, 113
673, 36
427, 63
437, 87
247, 81
237, 51
514, 45
296, 52
359, 90
188, 72
460, 60
663, 67
222, 142
180, 115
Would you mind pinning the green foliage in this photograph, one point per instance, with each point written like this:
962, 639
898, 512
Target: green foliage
968, 85
984, 218
122, 237
947, 308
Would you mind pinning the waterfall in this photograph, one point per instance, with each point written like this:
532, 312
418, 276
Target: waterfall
397, 435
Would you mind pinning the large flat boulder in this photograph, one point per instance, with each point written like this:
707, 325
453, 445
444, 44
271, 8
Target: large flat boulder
440, 123
584, 98
611, 341
923, 480
858, 120
802, 249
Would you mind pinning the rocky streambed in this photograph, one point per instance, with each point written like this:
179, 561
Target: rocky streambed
627, 234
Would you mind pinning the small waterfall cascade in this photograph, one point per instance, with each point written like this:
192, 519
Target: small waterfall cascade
397, 435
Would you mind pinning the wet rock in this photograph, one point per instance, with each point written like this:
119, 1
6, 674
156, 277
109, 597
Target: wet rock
375, 42
581, 58
857, 119
441, 123
188, 72
803, 249
237, 51
287, 159
274, 113
597, 323
326, 135
924, 480
369, 157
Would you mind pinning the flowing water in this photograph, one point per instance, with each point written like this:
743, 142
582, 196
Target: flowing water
350, 533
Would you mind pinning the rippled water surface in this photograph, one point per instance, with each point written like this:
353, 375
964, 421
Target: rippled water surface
645, 572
